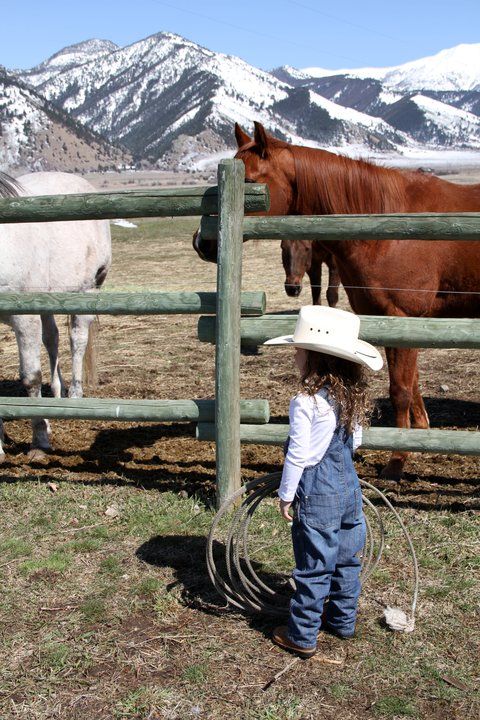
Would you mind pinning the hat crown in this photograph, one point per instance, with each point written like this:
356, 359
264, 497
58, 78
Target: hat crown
333, 332
317, 325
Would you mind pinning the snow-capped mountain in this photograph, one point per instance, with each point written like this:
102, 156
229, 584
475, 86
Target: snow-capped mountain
173, 103
37, 135
69, 57
432, 122
435, 101
456, 68
169, 99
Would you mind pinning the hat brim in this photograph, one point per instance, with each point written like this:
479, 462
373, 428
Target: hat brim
363, 353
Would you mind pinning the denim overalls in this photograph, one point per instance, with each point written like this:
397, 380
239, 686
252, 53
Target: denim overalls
328, 532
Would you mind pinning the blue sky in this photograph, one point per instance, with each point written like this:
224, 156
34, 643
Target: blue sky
266, 33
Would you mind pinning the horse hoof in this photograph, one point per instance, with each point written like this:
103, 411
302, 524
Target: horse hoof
37, 455
392, 471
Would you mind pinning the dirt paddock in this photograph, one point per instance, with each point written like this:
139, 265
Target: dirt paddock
160, 357
95, 627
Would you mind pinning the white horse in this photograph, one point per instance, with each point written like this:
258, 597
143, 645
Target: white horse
50, 257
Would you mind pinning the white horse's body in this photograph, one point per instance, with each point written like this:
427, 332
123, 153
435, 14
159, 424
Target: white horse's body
51, 257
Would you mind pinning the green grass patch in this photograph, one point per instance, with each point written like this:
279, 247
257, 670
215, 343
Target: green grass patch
93, 609
147, 587
14, 548
56, 562
166, 605
340, 691
54, 657
289, 709
196, 674
392, 706
111, 566
142, 703
83, 545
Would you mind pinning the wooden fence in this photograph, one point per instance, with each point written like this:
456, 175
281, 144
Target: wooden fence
151, 203
228, 420
386, 331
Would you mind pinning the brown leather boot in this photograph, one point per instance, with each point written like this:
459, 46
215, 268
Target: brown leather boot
280, 637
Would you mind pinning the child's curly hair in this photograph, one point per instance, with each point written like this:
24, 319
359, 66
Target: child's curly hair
346, 382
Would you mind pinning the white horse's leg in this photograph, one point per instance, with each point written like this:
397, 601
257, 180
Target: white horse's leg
78, 344
28, 331
50, 341
2, 438
2, 429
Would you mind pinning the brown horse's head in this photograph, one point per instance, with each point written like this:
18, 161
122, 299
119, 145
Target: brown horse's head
267, 160
297, 260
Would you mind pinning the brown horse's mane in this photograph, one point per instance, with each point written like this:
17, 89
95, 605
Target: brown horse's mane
335, 184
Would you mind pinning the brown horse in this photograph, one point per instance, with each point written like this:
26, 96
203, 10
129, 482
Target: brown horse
304, 256
385, 277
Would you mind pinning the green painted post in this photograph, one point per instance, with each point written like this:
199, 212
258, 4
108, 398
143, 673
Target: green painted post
231, 178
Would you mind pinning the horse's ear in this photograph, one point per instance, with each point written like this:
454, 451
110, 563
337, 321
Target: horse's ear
261, 139
241, 136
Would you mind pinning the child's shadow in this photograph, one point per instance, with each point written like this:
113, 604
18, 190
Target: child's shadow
186, 554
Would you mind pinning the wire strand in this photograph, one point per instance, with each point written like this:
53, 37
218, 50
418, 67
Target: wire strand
161, 287
375, 287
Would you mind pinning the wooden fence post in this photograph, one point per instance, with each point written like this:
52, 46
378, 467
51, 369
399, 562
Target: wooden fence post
231, 188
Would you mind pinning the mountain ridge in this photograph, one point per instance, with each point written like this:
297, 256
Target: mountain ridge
36, 135
172, 103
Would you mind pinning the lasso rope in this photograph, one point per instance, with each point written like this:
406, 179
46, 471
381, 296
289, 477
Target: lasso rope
239, 583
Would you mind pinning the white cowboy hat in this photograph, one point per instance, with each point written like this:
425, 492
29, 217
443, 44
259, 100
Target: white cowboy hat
333, 332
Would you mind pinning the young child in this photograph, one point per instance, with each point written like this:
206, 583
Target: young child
319, 482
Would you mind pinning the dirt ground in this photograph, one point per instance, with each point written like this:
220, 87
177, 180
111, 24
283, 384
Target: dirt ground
156, 470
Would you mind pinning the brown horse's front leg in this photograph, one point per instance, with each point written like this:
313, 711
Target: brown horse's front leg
402, 368
333, 281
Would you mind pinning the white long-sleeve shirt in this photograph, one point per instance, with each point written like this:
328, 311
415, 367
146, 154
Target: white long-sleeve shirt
312, 424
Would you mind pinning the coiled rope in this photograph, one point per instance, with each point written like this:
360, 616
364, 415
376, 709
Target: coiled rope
235, 578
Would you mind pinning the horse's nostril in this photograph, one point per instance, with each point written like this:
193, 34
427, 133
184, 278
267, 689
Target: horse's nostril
293, 290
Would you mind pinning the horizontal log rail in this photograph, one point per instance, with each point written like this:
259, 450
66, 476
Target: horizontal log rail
461, 442
123, 303
251, 411
125, 204
377, 329
418, 226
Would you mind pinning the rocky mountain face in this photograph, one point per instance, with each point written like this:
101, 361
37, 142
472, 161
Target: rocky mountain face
36, 134
172, 103
435, 101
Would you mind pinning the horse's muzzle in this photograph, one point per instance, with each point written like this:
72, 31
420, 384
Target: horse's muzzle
204, 249
196, 243
293, 290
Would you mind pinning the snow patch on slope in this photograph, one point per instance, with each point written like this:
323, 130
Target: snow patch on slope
456, 68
